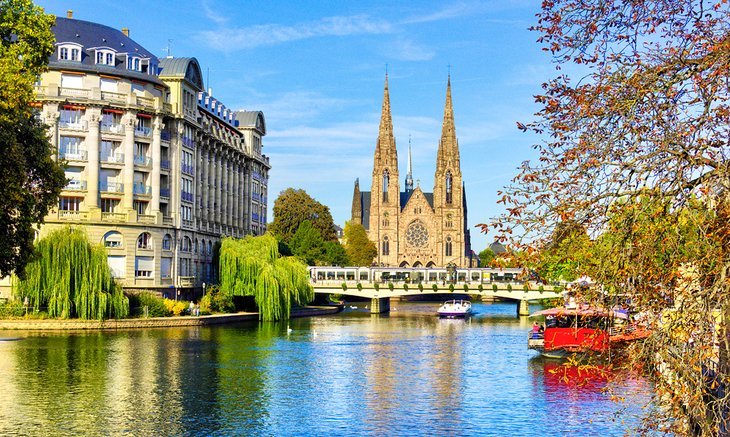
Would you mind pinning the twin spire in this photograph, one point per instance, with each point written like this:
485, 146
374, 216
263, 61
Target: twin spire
448, 150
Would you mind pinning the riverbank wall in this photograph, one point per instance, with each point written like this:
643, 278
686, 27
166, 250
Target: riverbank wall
151, 322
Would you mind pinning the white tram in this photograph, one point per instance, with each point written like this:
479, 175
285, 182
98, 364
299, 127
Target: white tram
414, 275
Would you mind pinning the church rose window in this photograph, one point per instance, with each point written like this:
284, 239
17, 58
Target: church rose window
416, 234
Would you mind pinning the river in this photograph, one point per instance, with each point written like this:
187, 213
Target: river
349, 374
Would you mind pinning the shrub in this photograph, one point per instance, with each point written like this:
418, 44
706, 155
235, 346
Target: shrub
391, 286
377, 286
509, 287
155, 305
494, 287
435, 288
541, 289
12, 308
451, 288
216, 301
480, 287
359, 286
420, 287
466, 288
176, 307
344, 286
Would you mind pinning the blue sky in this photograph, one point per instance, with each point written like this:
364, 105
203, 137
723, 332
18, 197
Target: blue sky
316, 69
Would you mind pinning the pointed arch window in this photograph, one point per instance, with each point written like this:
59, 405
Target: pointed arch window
386, 179
386, 246
449, 247
448, 187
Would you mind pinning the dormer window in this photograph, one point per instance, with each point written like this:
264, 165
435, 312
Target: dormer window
69, 52
105, 57
133, 63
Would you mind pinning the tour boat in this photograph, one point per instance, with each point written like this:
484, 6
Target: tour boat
583, 329
455, 308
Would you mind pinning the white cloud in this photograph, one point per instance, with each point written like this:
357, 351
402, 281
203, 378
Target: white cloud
407, 50
232, 39
213, 15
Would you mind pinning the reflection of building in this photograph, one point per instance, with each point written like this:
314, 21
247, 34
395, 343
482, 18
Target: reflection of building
415, 228
158, 169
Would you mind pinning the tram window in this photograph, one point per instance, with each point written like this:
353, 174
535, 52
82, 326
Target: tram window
442, 276
350, 276
461, 276
363, 276
432, 276
475, 276
340, 275
320, 276
330, 276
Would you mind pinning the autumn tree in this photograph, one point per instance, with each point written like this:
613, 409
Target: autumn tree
635, 150
292, 207
31, 180
360, 250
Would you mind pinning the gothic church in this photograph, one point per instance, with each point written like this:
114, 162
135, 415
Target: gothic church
413, 228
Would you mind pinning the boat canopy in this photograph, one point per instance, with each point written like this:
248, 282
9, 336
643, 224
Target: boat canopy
586, 312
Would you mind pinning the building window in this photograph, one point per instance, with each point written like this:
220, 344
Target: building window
449, 251
141, 207
186, 244
144, 241
448, 187
386, 179
75, 55
99, 57
113, 239
70, 118
63, 53
109, 205
386, 246
70, 203
167, 242
109, 59
143, 266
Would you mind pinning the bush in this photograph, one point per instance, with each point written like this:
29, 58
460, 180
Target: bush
215, 301
391, 286
435, 288
541, 289
176, 307
155, 305
344, 286
466, 288
509, 287
494, 287
451, 288
420, 287
377, 286
480, 287
525, 287
405, 287
12, 308
359, 286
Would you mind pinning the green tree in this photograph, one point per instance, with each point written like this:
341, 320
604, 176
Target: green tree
30, 181
307, 244
486, 257
292, 207
335, 254
252, 267
71, 278
636, 151
360, 250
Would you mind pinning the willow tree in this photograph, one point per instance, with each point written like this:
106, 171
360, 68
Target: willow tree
72, 279
635, 150
252, 267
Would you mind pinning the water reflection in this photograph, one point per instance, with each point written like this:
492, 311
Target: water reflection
347, 374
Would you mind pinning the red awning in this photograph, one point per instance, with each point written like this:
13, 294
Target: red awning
114, 111
144, 116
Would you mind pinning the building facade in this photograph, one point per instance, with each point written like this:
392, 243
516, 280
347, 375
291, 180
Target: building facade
158, 169
413, 228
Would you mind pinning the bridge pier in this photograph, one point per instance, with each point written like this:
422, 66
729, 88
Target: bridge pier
523, 308
379, 305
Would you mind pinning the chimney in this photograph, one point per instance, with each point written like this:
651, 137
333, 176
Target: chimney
125, 31
70, 13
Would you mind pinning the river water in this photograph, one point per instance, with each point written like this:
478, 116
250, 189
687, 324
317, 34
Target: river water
406, 373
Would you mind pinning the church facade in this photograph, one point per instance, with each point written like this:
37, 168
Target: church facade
413, 228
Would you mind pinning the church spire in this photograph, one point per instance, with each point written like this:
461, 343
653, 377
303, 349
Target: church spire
386, 142
448, 151
409, 176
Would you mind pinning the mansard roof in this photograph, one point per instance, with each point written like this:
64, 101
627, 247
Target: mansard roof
254, 119
89, 36
183, 68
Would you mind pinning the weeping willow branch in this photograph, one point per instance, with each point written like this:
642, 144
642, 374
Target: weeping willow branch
72, 279
252, 267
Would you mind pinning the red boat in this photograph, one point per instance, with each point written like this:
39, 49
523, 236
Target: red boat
582, 329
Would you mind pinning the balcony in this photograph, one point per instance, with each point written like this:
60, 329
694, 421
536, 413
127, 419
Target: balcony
188, 197
187, 169
145, 101
73, 125
112, 158
187, 224
111, 187
186, 281
142, 189
72, 215
113, 217
113, 128
149, 219
142, 160
188, 142
165, 135
142, 131
75, 185
113, 97
165, 164
74, 92
168, 221
76, 155
165, 192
